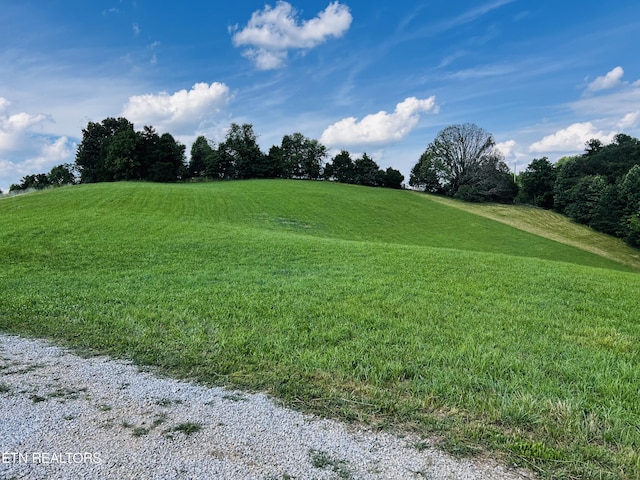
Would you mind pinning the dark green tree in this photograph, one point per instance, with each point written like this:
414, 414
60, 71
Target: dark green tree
168, 163
201, 152
593, 146
608, 213
392, 178
93, 150
147, 147
341, 168
301, 157
367, 171
537, 183
61, 175
28, 182
567, 176
239, 154
122, 161
425, 174
277, 164
490, 181
584, 197
630, 194
600, 188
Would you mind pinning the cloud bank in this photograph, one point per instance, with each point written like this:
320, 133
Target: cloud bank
14, 128
381, 127
614, 109
271, 32
181, 112
572, 138
25, 149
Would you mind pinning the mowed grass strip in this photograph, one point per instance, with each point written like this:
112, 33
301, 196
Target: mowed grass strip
552, 225
229, 284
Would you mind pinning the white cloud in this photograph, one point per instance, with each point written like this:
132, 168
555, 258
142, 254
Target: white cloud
610, 80
45, 154
572, 138
182, 112
630, 120
615, 109
515, 156
15, 128
266, 59
507, 148
61, 149
381, 127
4, 104
274, 30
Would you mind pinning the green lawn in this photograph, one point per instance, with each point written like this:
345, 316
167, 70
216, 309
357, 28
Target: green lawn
551, 225
358, 303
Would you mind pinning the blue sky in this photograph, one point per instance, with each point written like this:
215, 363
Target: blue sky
368, 76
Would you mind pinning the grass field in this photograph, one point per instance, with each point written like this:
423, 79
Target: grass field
362, 304
551, 225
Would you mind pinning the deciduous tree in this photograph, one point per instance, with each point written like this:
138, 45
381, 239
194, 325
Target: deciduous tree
239, 153
463, 161
537, 182
367, 171
341, 168
425, 174
392, 178
301, 157
93, 150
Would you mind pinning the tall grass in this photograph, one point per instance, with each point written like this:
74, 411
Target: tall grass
358, 303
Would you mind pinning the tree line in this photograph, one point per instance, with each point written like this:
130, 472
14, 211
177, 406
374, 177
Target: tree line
599, 188
112, 150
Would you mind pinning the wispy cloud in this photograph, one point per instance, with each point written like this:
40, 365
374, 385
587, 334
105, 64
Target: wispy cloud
474, 14
483, 71
630, 120
615, 108
615, 98
273, 31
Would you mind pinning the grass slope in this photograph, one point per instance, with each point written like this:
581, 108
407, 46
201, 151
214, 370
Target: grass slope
359, 303
551, 225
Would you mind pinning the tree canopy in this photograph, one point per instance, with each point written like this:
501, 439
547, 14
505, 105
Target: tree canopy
58, 176
536, 183
599, 188
463, 162
112, 150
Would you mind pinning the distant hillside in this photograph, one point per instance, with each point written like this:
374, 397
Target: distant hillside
321, 209
551, 225
381, 306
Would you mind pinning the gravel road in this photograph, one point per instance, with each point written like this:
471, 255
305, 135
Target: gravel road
67, 417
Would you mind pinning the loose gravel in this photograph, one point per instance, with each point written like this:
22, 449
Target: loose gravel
67, 417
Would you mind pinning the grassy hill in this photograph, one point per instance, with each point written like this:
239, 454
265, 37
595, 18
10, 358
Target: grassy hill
377, 305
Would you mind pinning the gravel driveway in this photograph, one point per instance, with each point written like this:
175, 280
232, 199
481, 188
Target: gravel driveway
67, 417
